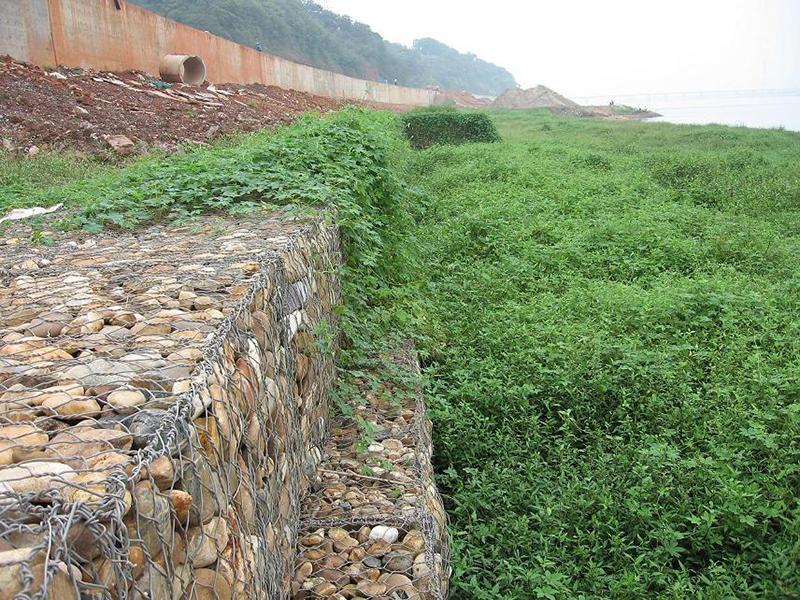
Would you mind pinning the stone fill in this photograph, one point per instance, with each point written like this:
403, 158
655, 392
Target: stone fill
374, 525
163, 402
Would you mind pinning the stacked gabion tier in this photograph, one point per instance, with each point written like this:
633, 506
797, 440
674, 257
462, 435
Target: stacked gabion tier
163, 403
374, 525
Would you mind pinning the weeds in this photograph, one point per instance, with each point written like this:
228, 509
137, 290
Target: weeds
612, 325
609, 315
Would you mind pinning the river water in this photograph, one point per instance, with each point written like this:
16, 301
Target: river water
750, 111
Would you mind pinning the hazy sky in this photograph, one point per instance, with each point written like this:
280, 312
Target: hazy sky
585, 47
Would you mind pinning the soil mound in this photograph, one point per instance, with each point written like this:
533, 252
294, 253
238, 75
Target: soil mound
133, 112
536, 97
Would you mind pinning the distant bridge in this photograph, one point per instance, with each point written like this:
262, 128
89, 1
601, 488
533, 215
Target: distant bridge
652, 98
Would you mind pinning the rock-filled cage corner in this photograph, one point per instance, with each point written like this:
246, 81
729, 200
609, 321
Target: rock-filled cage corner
166, 428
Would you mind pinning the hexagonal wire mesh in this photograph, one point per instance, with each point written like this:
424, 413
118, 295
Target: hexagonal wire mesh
374, 525
162, 407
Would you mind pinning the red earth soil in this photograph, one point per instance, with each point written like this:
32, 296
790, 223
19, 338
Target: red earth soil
78, 109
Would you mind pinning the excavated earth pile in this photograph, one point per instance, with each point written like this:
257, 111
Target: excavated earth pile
539, 96
132, 112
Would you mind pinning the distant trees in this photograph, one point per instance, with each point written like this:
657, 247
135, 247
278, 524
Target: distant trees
303, 31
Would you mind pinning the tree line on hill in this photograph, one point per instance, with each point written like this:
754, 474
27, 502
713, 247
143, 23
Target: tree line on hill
305, 32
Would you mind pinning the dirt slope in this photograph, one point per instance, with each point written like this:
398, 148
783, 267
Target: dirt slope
76, 109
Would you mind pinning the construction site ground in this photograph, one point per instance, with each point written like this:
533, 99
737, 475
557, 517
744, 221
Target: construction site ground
89, 111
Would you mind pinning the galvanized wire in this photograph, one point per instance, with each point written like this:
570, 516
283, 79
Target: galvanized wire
374, 525
162, 408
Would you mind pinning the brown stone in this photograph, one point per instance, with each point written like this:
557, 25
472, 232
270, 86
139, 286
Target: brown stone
37, 477
162, 472
334, 576
304, 571
91, 322
370, 588
49, 324
414, 541
324, 589
206, 542
145, 328
124, 318
210, 585
379, 548
22, 347
124, 399
70, 406
60, 585
24, 440
209, 497
121, 144
181, 503
78, 444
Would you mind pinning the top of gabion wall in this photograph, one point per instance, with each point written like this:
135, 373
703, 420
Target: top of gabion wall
102, 344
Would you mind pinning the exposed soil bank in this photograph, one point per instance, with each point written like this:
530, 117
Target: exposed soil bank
90, 110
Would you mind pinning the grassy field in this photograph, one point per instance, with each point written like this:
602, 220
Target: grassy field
24, 180
609, 314
612, 316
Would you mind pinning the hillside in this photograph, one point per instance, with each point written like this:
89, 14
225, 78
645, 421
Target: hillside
303, 31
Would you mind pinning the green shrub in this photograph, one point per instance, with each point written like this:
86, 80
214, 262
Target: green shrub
429, 127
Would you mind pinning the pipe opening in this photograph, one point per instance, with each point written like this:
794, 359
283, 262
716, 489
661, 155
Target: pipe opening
181, 68
194, 70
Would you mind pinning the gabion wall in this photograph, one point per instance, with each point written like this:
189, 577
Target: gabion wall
163, 402
373, 525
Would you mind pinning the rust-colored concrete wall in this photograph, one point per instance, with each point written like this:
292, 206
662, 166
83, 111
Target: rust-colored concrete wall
25, 31
97, 34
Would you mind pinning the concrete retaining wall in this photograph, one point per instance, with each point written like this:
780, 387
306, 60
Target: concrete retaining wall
97, 34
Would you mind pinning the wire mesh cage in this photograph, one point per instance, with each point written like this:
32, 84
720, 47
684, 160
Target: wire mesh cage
162, 408
373, 525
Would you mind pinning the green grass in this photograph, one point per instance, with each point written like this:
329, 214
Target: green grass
609, 315
24, 180
612, 316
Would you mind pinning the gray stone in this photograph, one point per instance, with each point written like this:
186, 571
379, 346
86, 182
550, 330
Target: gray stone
143, 426
397, 562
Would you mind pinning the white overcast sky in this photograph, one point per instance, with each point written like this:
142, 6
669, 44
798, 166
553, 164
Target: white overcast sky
585, 47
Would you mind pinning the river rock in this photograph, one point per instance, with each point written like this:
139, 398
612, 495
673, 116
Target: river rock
202, 483
206, 542
181, 504
162, 472
91, 322
25, 441
125, 399
149, 522
209, 585
37, 477
382, 532
371, 589
78, 443
144, 425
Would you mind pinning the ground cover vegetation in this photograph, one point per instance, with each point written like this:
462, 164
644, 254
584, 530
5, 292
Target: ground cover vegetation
609, 317
303, 31
24, 178
613, 318
427, 127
